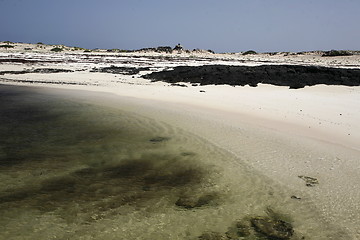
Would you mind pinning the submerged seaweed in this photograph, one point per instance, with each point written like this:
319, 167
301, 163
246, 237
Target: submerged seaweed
77, 158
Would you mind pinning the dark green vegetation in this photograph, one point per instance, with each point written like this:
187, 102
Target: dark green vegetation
249, 52
56, 49
6, 46
280, 75
116, 50
336, 53
164, 49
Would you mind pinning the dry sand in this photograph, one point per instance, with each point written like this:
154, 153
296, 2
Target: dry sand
280, 133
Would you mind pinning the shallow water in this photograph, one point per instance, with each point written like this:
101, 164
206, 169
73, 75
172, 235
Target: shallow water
72, 170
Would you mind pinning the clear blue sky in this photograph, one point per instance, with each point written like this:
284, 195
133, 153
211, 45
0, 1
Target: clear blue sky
220, 25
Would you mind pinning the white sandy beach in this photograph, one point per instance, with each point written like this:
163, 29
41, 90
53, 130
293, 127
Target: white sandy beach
279, 132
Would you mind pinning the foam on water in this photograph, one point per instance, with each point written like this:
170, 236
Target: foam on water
71, 170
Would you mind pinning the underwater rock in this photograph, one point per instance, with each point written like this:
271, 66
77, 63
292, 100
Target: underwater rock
159, 139
186, 154
275, 229
195, 201
238, 229
212, 236
310, 181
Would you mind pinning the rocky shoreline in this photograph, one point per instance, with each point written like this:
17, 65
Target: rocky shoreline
279, 75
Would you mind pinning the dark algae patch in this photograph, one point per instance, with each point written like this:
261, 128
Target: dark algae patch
159, 139
101, 189
80, 155
195, 201
280, 75
269, 227
272, 228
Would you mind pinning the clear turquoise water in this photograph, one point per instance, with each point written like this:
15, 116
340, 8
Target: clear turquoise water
71, 170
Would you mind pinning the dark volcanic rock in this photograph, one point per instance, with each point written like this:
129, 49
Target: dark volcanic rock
51, 70
38, 70
280, 75
28, 61
120, 70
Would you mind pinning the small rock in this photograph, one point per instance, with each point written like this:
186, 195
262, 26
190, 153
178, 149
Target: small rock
310, 181
179, 85
187, 202
212, 236
272, 228
195, 201
185, 154
295, 197
159, 139
238, 230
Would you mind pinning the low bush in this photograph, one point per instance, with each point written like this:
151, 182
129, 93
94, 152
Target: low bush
249, 52
56, 49
78, 49
6, 46
335, 53
166, 49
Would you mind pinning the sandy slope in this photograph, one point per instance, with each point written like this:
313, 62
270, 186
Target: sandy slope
312, 131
